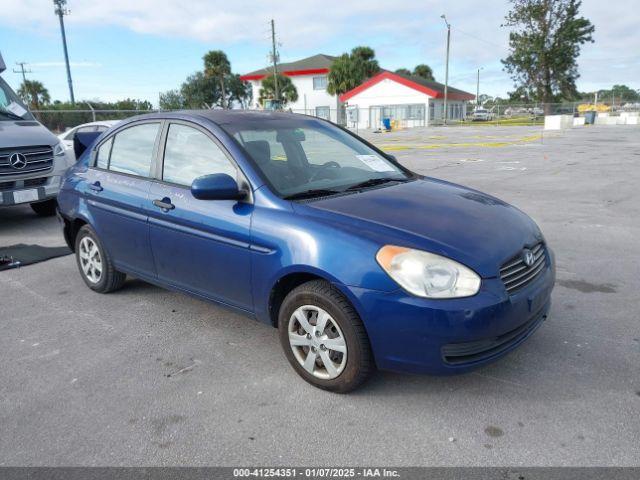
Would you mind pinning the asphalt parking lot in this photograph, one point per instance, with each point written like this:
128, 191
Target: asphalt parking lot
148, 377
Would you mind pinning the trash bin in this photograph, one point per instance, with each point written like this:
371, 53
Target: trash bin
386, 123
589, 118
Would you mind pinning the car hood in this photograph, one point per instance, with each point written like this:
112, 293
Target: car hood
471, 227
24, 133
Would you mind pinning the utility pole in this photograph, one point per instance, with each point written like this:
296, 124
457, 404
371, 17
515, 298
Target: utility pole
446, 71
61, 11
22, 70
274, 58
478, 89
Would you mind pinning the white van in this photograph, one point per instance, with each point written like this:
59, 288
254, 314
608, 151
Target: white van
32, 159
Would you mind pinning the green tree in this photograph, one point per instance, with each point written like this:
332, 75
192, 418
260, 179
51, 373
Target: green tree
619, 94
544, 46
350, 70
239, 91
171, 100
34, 94
217, 65
286, 90
424, 71
200, 91
403, 71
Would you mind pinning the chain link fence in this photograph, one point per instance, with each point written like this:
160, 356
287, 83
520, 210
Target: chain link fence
394, 117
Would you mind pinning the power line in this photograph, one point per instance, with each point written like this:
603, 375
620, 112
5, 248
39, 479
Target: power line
22, 70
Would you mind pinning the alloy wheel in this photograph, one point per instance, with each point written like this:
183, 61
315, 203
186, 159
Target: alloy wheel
317, 342
90, 259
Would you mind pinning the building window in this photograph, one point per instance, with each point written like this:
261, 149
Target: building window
320, 83
402, 112
323, 112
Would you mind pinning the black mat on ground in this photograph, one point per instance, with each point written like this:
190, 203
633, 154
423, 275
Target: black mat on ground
20, 255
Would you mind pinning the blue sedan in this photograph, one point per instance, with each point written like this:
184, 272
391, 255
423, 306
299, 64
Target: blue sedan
300, 224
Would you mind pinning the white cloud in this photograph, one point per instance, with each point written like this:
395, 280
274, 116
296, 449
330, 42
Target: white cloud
392, 27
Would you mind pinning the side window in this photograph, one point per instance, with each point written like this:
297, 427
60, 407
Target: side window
102, 155
189, 154
132, 150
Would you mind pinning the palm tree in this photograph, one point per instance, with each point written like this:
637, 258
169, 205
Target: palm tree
286, 89
350, 70
217, 65
34, 94
424, 71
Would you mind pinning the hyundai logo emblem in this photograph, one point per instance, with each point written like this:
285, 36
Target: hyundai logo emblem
527, 257
18, 161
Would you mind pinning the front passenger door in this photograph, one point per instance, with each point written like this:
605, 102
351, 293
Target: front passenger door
199, 245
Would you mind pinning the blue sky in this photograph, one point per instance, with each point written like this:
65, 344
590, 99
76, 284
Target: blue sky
138, 48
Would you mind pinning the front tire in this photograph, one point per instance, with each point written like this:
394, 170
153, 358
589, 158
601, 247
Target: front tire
323, 338
46, 208
95, 265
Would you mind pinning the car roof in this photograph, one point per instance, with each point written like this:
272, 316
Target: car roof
220, 117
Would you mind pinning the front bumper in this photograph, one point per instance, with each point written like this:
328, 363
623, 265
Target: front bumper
28, 190
440, 337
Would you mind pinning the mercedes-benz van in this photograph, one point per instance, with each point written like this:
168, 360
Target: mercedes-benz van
32, 159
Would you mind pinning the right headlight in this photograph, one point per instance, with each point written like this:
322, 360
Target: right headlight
426, 274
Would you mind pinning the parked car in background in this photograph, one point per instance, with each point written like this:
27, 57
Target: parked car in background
481, 115
101, 126
302, 225
32, 159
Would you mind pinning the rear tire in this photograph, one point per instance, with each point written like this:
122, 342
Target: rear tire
46, 208
95, 265
323, 338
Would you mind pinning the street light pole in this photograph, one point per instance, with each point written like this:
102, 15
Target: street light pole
446, 71
478, 89
61, 11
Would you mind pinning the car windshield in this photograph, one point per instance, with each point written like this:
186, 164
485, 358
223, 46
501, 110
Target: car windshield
305, 157
10, 103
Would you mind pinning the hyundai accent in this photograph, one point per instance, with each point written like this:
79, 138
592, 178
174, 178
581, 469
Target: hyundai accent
300, 224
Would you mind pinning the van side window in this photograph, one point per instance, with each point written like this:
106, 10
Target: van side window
189, 154
133, 148
102, 155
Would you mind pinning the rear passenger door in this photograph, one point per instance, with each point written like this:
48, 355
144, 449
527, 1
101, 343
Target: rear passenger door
117, 192
199, 245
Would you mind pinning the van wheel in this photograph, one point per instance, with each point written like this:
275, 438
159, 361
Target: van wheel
323, 338
94, 263
46, 208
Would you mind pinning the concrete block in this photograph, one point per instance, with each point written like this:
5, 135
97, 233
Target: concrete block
558, 122
578, 121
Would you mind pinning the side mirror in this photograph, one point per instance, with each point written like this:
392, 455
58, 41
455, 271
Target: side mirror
218, 186
392, 157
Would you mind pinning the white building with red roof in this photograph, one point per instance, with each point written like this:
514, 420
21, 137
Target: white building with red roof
406, 100
409, 100
309, 76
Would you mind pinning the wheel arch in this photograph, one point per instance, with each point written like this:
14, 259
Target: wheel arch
294, 277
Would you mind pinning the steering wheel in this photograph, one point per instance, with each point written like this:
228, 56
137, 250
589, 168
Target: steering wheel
323, 167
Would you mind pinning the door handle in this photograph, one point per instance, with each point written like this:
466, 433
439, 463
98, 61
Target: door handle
96, 187
165, 204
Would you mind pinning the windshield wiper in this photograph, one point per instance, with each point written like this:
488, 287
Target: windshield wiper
372, 182
318, 192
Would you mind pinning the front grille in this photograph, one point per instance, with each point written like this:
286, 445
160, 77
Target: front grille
4, 186
35, 182
515, 274
39, 159
20, 184
469, 352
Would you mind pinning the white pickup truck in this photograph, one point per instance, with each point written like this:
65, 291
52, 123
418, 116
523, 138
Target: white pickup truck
32, 159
